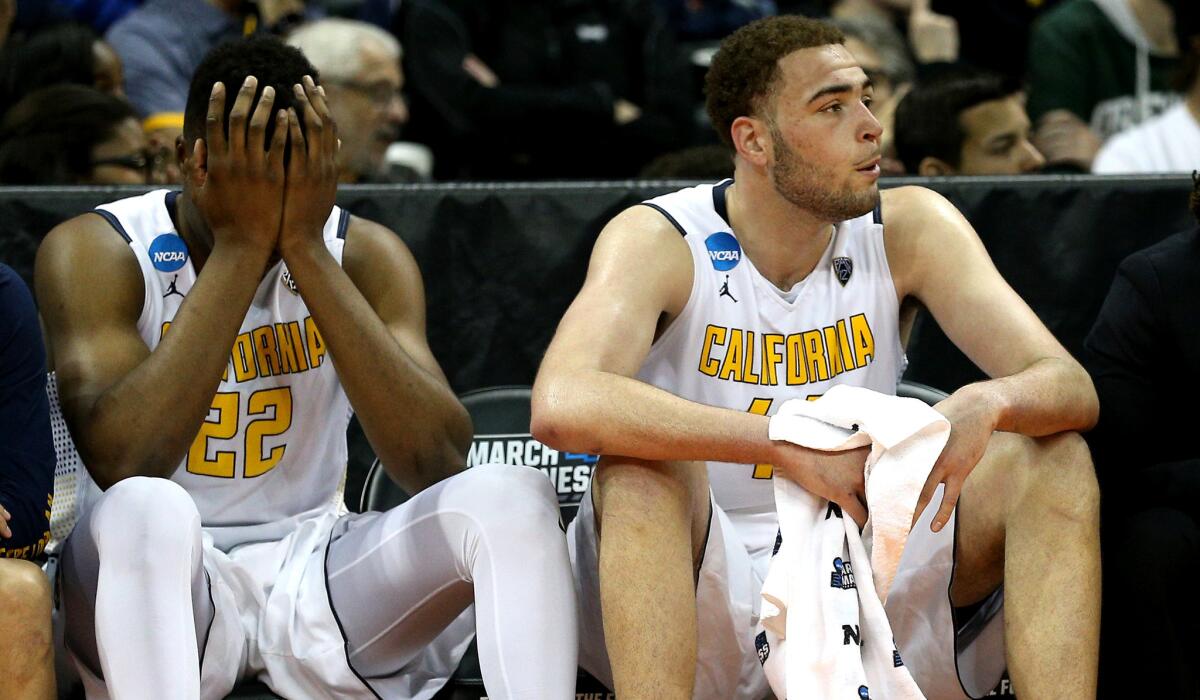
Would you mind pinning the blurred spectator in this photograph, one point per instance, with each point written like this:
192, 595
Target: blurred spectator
1170, 142
1097, 67
969, 123
932, 37
163, 41
67, 53
360, 68
73, 135
98, 14
536, 89
994, 34
1141, 352
712, 20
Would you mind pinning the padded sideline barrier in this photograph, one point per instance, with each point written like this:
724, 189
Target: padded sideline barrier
502, 262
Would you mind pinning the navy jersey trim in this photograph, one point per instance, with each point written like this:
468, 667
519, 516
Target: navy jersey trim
718, 194
343, 224
208, 631
338, 620
877, 215
114, 222
968, 621
173, 208
670, 218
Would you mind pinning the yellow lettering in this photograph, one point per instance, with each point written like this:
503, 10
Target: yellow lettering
864, 340
713, 335
165, 327
316, 346
279, 403
814, 353
225, 404
287, 351
298, 344
772, 356
831, 348
843, 345
797, 371
731, 368
266, 351
748, 360
244, 368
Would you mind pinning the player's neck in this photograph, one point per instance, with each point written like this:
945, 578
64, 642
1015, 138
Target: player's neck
784, 241
193, 231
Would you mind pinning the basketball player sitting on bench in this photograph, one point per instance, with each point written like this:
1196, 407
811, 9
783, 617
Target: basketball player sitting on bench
780, 284
220, 549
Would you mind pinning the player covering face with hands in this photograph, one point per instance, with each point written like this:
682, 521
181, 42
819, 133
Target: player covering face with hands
221, 549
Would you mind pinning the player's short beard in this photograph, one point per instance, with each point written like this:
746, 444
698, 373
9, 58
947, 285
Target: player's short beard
802, 184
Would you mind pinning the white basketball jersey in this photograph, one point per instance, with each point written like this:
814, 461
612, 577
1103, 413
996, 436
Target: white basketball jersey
742, 343
272, 450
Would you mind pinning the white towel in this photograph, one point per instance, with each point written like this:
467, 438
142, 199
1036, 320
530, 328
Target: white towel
823, 631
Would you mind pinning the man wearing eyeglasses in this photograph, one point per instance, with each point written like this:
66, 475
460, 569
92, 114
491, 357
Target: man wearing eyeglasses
360, 65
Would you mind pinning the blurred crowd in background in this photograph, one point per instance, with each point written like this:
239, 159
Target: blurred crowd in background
93, 91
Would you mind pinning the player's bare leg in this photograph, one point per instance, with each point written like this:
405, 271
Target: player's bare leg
1029, 515
26, 651
653, 518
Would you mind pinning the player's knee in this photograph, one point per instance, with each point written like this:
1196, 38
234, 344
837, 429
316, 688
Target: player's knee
24, 591
154, 514
511, 495
1068, 477
648, 480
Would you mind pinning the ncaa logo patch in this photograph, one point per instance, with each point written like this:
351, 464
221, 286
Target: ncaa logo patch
168, 252
723, 251
843, 268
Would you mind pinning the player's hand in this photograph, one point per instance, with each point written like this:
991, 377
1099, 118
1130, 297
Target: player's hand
835, 476
5, 516
241, 194
972, 420
312, 171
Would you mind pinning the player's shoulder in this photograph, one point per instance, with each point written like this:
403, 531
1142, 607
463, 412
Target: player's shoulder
919, 214
86, 255
87, 238
374, 254
641, 229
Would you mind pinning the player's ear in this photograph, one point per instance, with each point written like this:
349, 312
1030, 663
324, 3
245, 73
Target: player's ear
751, 140
194, 161
933, 167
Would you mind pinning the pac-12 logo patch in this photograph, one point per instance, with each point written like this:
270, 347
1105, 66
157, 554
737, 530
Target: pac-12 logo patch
168, 252
723, 251
843, 268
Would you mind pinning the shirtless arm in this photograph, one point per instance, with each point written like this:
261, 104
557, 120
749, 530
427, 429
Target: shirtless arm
1036, 387
133, 412
586, 398
371, 312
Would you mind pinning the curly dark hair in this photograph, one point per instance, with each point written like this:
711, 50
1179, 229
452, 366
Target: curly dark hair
745, 69
265, 57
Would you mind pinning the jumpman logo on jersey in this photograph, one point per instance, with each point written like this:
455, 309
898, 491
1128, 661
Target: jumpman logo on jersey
172, 289
725, 290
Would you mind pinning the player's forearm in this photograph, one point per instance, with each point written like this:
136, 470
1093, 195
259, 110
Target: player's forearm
1050, 396
144, 424
413, 421
604, 413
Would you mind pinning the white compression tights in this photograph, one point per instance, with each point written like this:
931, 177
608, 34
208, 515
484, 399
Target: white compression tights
396, 579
